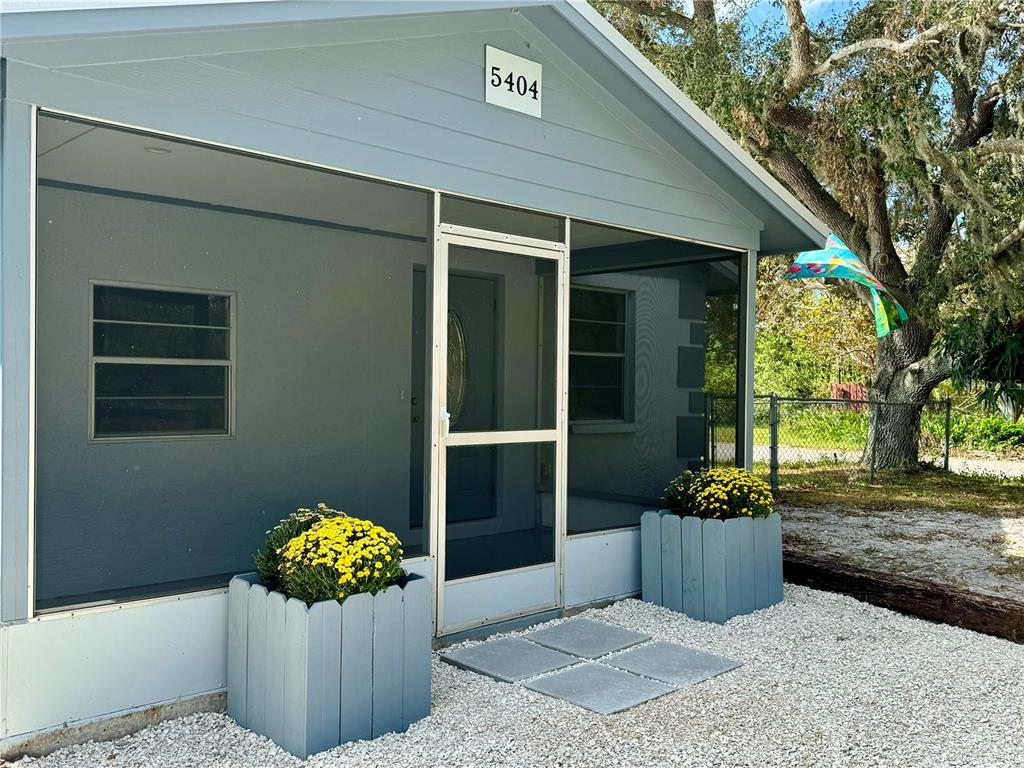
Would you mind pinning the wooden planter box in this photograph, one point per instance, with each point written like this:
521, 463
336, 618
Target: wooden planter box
711, 570
310, 678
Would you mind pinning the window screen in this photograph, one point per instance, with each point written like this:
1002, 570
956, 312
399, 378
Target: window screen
161, 362
597, 354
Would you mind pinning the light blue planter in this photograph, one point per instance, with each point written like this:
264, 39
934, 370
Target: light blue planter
310, 678
711, 570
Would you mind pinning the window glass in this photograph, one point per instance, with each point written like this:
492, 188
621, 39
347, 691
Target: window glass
140, 340
597, 354
177, 397
153, 416
153, 306
588, 304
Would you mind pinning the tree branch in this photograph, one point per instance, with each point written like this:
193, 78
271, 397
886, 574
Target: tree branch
931, 371
1013, 237
792, 118
1001, 147
800, 60
930, 35
661, 10
936, 234
792, 172
973, 113
883, 261
953, 175
703, 12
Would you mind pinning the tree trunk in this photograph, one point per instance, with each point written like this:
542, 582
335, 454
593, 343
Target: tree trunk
904, 378
894, 432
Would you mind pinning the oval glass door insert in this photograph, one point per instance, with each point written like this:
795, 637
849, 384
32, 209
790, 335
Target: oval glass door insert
457, 366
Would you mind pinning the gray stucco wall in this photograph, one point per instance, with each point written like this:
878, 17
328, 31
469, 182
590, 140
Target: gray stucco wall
322, 368
634, 461
616, 471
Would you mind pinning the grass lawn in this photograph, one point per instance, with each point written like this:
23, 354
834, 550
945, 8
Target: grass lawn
812, 436
818, 485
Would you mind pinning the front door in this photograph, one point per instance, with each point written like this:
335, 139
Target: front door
472, 335
500, 482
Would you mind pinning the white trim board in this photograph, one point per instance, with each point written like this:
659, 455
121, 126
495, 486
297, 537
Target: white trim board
601, 565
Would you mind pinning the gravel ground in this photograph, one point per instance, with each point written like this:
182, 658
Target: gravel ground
826, 681
981, 554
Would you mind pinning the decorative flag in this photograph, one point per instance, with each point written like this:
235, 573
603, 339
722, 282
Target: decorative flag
837, 261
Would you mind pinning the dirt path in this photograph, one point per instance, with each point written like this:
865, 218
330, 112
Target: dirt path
982, 554
791, 454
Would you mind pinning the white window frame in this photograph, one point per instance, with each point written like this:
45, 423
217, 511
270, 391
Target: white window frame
627, 354
95, 359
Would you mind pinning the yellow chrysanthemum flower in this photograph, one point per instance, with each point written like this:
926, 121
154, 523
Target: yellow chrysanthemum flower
338, 557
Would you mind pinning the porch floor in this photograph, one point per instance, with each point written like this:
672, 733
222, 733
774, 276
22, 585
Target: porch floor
825, 681
498, 552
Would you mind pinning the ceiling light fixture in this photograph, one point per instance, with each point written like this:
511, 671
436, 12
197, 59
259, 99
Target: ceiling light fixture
158, 150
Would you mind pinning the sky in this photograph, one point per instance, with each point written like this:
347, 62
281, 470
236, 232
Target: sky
814, 10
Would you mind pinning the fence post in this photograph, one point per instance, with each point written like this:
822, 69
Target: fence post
874, 439
714, 438
773, 442
945, 457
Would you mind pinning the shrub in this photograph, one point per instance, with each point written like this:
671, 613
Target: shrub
719, 494
339, 556
678, 496
972, 431
268, 559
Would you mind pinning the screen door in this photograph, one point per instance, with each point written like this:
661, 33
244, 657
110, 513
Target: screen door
501, 385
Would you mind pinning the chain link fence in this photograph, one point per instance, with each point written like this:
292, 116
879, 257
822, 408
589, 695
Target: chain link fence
792, 433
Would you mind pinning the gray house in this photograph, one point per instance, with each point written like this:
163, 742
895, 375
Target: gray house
467, 268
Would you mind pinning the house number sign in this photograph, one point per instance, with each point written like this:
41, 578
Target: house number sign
512, 82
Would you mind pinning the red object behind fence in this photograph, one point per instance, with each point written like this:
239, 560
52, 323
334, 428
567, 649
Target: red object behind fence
857, 393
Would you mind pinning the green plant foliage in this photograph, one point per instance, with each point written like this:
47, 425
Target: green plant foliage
987, 352
988, 433
721, 348
784, 363
719, 494
808, 338
268, 559
678, 496
817, 425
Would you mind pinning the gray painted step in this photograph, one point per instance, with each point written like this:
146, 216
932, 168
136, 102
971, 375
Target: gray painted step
587, 638
671, 663
599, 688
508, 659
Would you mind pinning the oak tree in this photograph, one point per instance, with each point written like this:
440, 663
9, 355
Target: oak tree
900, 124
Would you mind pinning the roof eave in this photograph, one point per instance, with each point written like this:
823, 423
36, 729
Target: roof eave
26, 25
